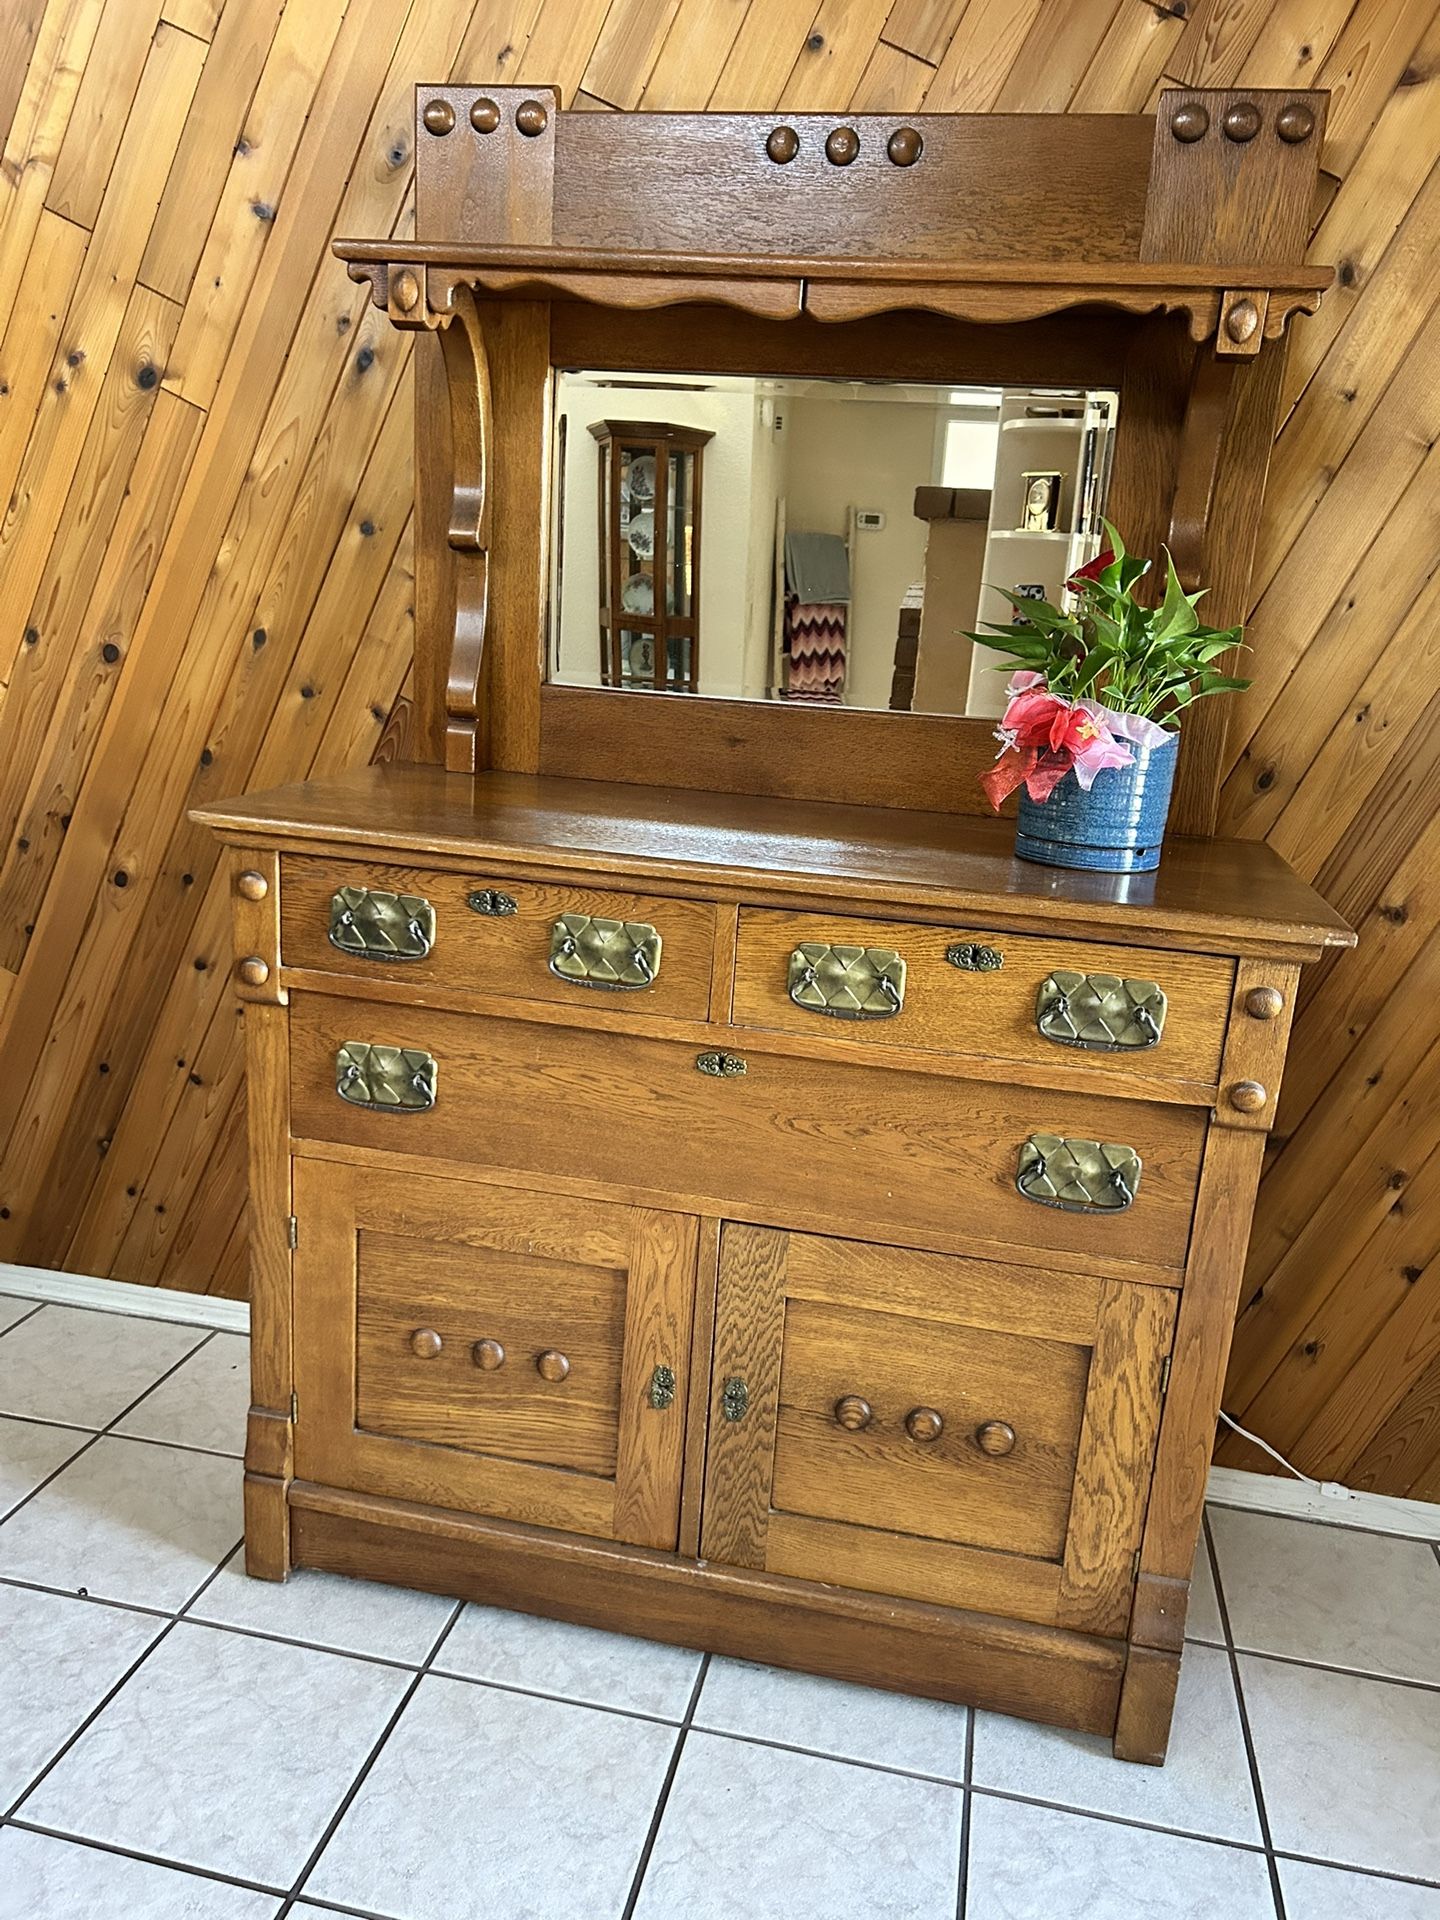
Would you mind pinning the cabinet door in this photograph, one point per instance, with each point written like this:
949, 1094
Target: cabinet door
953, 1430
491, 1349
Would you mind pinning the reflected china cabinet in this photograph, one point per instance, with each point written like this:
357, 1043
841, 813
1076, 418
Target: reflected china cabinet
649, 548
701, 1184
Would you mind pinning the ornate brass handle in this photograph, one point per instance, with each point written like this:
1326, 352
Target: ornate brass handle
589, 952
1100, 1012
381, 926
721, 1066
1078, 1176
388, 1079
552, 1365
996, 1437
973, 956
924, 1424
853, 1413
847, 983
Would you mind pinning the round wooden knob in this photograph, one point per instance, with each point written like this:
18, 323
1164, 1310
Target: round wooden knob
405, 289
1295, 122
904, 147
996, 1437
551, 1365
488, 1355
484, 116
782, 145
251, 885
531, 118
853, 1413
1242, 121
842, 146
1248, 1096
425, 1342
438, 117
1264, 1003
1241, 320
253, 971
1190, 121
924, 1423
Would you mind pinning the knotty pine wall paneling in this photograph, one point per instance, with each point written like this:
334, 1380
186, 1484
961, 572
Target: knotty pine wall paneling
206, 560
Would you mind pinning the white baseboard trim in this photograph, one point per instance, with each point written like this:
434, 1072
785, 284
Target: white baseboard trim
1303, 1500
1228, 1487
123, 1296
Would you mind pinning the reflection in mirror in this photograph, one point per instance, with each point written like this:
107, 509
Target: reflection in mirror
825, 541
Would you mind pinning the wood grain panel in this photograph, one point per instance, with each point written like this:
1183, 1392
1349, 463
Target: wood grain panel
256, 586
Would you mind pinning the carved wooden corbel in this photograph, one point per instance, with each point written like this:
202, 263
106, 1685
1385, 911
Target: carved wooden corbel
1202, 437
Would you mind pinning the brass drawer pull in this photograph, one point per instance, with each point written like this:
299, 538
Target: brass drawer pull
996, 1437
1100, 1012
721, 1066
972, 956
924, 1424
1078, 1176
381, 926
393, 1079
662, 1388
488, 900
848, 983
590, 952
853, 1413
735, 1398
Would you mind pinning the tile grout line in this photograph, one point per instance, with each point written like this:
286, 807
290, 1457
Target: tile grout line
348, 1798
20, 1825
642, 1865
38, 1305
962, 1879
1251, 1759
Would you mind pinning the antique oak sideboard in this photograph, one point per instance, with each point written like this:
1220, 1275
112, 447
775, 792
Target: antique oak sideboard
599, 1269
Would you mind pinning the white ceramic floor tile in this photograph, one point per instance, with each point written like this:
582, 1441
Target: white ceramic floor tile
575, 1663
1203, 1621
59, 1658
13, 1310
831, 1716
82, 1368
1203, 1788
204, 1403
1329, 1893
352, 1616
1344, 1598
756, 1830
542, 1805
1349, 1767
46, 1879
30, 1453
1033, 1863
128, 1521
224, 1752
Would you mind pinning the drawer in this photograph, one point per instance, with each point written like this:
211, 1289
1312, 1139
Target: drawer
947, 1429
485, 934
869, 1150
990, 1002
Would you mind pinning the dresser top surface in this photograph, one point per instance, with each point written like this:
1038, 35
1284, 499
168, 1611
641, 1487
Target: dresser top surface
1218, 895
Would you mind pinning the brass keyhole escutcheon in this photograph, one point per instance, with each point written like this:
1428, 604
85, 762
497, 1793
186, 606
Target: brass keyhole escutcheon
924, 1424
488, 1355
551, 1365
853, 1413
996, 1437
425, 1342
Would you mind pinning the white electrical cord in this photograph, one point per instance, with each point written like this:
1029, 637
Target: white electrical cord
1331, 1487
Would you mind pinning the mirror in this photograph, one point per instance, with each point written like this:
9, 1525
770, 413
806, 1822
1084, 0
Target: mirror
817, 540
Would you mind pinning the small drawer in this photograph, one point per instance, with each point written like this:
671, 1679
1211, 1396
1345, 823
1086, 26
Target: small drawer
835, 1142
485, 934
1005, 995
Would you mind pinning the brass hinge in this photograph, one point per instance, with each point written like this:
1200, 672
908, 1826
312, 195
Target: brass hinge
1164, 1370
292, 1232
294, 1408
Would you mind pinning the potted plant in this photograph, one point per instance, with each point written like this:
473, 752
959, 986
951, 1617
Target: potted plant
1091, 731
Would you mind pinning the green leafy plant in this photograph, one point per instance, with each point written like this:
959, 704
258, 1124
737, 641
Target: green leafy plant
1110, 648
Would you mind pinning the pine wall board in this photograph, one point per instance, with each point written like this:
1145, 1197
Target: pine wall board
206, 561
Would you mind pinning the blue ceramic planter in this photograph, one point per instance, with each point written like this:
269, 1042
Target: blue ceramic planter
1115, 828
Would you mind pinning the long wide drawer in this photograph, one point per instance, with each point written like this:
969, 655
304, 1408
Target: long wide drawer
1005, 995
761, 1136
484, 934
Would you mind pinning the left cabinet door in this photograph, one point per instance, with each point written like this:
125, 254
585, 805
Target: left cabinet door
492, 1349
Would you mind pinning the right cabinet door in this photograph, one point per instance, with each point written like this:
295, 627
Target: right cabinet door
946, 1429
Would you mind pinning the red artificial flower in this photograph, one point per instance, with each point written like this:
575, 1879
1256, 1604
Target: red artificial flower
1092, 569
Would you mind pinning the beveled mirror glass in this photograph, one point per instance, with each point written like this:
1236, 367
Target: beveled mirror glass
815, 540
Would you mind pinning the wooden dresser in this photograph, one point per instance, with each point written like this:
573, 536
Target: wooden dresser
702, 1184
